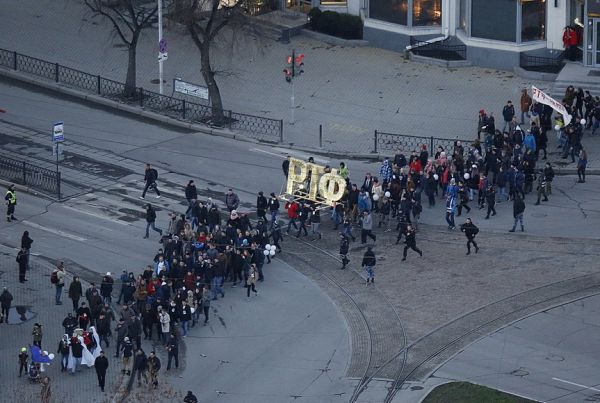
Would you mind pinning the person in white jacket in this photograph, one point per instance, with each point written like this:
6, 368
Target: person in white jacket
165, 320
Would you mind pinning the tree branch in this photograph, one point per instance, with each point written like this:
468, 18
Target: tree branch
97, 9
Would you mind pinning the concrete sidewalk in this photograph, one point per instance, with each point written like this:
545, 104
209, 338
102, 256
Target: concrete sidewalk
34, 302
350, 91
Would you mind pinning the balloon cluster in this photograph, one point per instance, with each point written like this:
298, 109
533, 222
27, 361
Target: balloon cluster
270, 250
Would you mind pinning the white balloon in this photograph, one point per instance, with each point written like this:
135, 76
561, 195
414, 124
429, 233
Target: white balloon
265, 252
51, 356
436, 176
273, 247
557, 128
272, 253
375, 197
582, 121
388, 194
467, 176
268, 247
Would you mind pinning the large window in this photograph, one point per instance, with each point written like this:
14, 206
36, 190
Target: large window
395, 11
494, 19
427, 12
533, 17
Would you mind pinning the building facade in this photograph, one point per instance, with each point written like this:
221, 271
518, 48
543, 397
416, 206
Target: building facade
495, 32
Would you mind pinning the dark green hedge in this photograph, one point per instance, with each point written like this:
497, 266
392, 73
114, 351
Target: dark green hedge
345, 26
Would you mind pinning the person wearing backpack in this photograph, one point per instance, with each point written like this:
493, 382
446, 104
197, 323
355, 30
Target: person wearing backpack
58, 279
150, 177
470, 231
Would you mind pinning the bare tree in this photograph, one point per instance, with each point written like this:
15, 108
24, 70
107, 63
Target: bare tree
204, 20
129, 18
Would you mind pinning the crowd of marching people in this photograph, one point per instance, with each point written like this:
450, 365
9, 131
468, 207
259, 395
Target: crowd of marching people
213, 244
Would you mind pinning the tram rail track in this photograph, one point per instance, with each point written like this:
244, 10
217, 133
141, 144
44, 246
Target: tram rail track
419, 358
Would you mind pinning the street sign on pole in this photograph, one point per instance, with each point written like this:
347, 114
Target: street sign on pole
162, 50
58, 133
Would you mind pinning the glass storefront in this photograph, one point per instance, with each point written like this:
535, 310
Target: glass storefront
427, 12
533, 20
395, 11
494, 19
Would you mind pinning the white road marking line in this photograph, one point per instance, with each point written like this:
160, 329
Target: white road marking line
95, 215
54, 231
290, 152
578, 385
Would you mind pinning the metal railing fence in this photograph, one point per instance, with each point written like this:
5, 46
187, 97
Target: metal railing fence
33, 176
257, 127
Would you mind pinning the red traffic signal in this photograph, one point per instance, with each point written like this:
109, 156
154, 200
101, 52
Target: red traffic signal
299, 60
288, 60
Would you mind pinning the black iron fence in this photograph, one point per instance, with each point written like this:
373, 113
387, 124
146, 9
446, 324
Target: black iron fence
546, 64
42, 179
383, 142
257, 127
439, 50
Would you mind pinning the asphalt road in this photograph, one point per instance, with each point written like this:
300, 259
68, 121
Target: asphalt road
549, 357
223, 162
289, 342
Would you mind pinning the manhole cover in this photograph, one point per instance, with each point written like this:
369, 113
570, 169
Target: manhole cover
555, 357
416, 388
520, 372
157, 81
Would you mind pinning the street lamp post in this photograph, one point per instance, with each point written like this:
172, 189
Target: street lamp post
160, 38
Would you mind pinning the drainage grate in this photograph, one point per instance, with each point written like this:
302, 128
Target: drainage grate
594, 73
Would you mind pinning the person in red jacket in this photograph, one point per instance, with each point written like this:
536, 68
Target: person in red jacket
570, 43
292, 210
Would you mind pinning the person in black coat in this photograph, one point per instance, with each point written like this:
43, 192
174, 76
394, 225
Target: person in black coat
285, 166
344, 247
101, 365
173, 349
26, 242
150, 177
191, 195
411, 242
22, 261
518, 210
190, 398
490, 199
368, 263
84, 315
261, 206
69, 324
150, 220
5, 302
470, 231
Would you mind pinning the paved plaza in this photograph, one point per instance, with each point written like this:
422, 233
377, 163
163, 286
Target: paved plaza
350, 91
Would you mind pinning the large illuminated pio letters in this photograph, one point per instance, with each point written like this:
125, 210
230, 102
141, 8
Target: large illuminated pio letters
332, 186
306, 178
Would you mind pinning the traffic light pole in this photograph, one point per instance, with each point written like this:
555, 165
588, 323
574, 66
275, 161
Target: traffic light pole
293, 106
160, 37
292, 100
